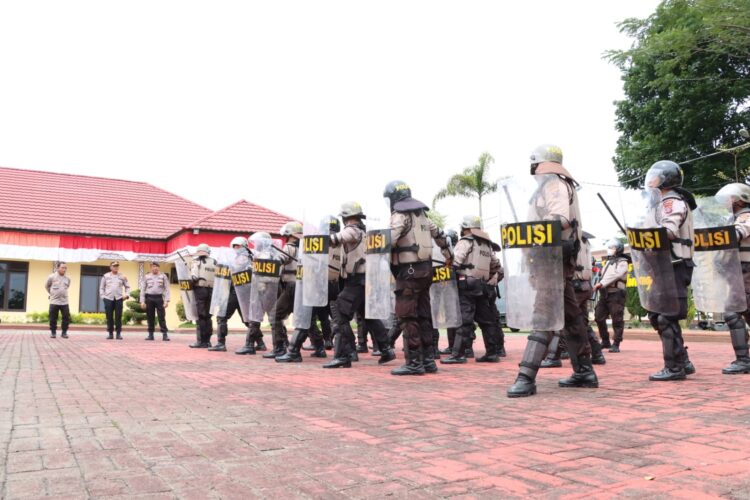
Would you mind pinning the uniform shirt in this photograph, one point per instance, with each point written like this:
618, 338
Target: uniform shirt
289, 262
352, 239
557, 200
111, 286
155, 284
57, 288
401, 225
615, 273
203, 271
742, 226
674, 215
465, 253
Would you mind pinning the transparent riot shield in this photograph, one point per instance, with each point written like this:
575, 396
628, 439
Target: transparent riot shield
446, 310
241, 275
186, 289
302, 316
652, 259
378, 267
265, 283
220, 293
532, 254
718, 286
315, 245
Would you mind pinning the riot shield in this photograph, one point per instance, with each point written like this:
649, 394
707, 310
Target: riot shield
315, 243
378, 268
652, 259
718, 286
302, 316
446, 309
532, 254
186, 290
220, 293
241, 274
265, 283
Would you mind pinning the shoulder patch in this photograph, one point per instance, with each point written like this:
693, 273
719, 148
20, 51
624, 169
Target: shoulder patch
667, 204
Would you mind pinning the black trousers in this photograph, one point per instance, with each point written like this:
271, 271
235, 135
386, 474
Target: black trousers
350, 301
54, 309
154, 307
203, 308
113, 311
413, 304
233, 305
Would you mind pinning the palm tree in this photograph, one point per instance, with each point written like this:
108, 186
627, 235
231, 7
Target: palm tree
470, 183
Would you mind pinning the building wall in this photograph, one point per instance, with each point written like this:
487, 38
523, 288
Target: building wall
37, 299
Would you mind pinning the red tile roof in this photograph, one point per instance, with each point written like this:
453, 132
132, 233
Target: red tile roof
46, 201
244, 217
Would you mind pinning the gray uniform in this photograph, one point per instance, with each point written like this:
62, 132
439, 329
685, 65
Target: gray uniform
154, 293
113, 289
57, 288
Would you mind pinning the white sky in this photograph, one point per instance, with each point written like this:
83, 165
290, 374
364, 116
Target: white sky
301, 105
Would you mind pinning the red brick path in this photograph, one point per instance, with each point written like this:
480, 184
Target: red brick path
86, 417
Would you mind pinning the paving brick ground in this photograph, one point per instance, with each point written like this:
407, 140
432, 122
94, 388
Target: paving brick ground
86, 417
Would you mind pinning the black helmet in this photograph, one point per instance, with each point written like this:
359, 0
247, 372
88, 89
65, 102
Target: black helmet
396, 191
453, 235
334, 225
664, 174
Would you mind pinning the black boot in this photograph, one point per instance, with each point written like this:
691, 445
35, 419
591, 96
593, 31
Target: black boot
604, 334
672, 370
110, 336
414, 364
428, 359
458, 355
260, 345
615, 347
150, 336
279, 349
469, 348
249, 347
451, 339
52, 334
551, 362
220, 346
198, 344
362, 347
64, 335
501, 344
490, 346
319, 346
386, 355
435, 343
165, 337
293, 353
118, 336
738, 334
536, 348
583, 374
341, 357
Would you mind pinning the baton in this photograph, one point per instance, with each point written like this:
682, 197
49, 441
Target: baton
612, 214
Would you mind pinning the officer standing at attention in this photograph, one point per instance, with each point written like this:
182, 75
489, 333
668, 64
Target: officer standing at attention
557, 199
203, 270
411, 264
57, 285
154, 299
113, 289
476, 264
675, 215
612, 295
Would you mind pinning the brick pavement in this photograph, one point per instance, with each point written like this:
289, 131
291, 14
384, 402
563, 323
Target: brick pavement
87, 417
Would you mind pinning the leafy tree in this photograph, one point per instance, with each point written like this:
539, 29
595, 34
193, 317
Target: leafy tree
134, 312
633, 303
471, 183
437, 218
687, 91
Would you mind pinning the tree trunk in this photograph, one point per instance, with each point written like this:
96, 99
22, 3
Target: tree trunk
480, 211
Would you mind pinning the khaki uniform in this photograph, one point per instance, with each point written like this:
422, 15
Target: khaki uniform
203, 272
113, 289
742, 226
154, 293
612, 299
57, 287
285, 302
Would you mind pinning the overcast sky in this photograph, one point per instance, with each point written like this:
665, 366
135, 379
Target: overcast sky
301, 105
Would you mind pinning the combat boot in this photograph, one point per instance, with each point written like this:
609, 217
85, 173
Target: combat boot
279, 349
220, 346
64, 335
386, 355
52, 334
451, 339
535, 350
583, 375
522, 387
667, 375
249, 347
150, 336
428, 359
293, 352
458, 355
341, 358
738, 334
165, 337
551, 363
414, 364
490, 355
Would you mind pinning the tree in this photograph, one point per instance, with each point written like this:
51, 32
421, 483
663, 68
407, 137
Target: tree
470, 183
687, 91
437, 218
134, 312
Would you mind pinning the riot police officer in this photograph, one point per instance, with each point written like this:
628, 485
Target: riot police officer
611, 290
556, 199
238, 244
411, 263
476, 264
736, 198
674, 213
202, 272
351, 299
285, 305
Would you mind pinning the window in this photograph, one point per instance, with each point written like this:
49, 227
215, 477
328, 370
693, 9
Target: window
14, 277
91, 277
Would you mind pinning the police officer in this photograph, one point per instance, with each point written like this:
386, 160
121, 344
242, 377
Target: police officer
285, 304
476, 264
737, 198
584, 293
351, 299
452, 236
675, 215
254, 337
57, 286
238, 244
113, 290
411, 263
154, 299
203, 271
611, 290
557, 200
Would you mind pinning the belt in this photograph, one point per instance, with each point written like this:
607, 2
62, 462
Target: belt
153, 295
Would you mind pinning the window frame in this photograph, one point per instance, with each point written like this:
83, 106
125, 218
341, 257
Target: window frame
95, 271
14, 266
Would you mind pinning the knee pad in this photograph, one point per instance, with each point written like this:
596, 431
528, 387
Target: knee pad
734, 321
